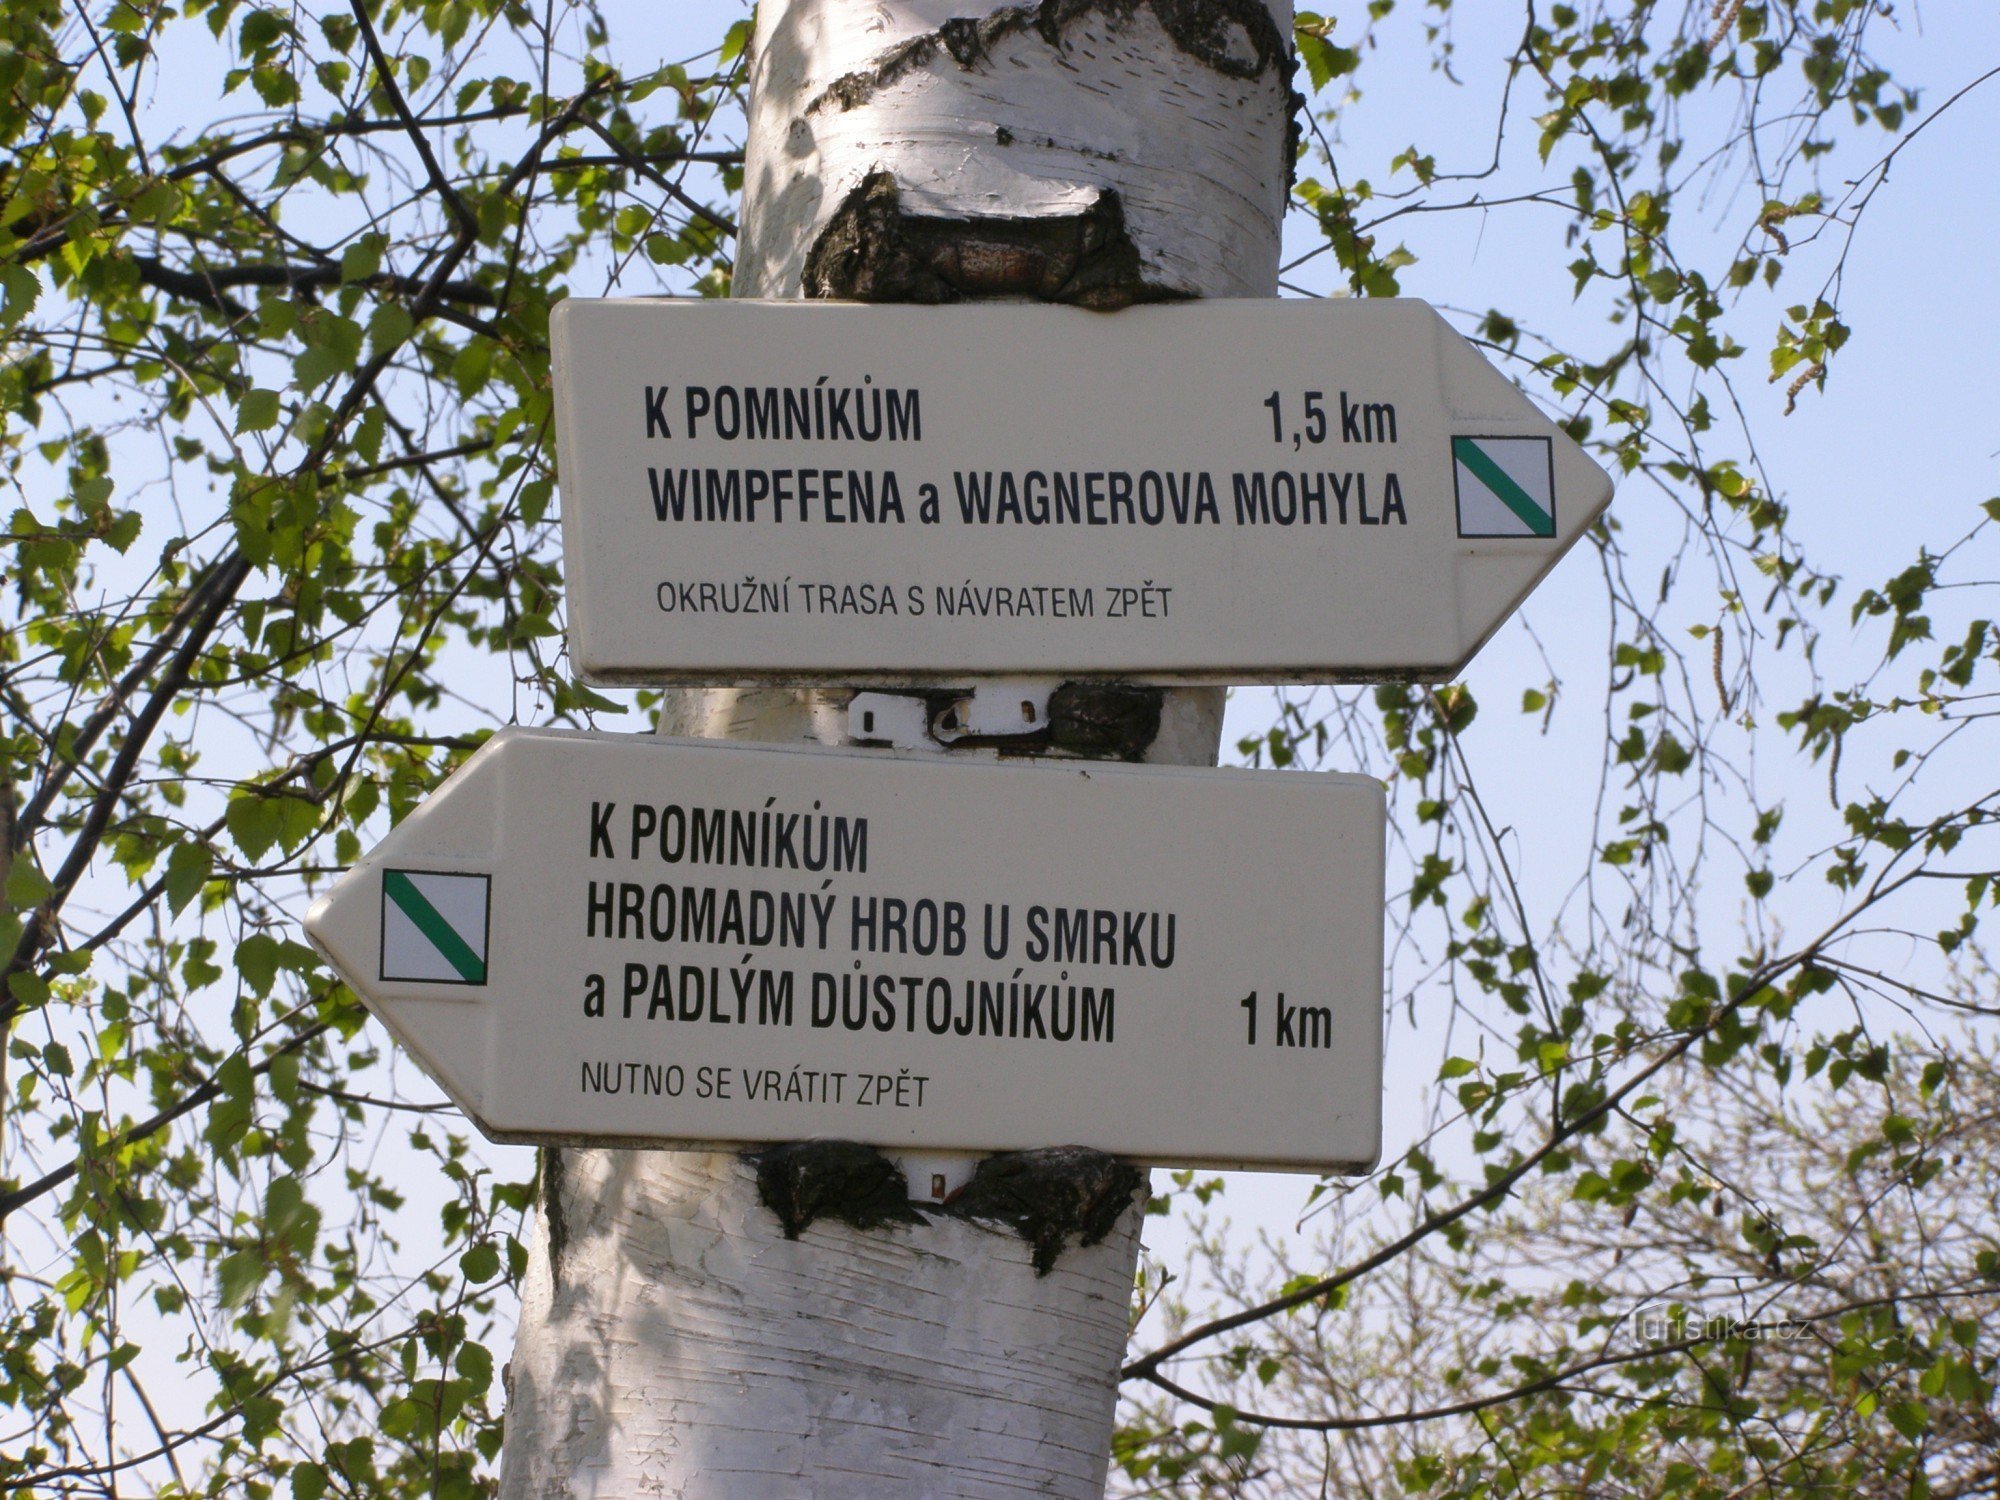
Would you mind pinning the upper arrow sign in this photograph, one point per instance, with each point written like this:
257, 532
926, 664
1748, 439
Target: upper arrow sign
1227, 491
631, 940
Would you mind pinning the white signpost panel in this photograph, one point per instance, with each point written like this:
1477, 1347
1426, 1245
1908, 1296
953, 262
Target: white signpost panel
1223, 491
639, 941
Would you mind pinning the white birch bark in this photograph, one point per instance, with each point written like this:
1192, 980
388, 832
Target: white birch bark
672, 1340
1198, 156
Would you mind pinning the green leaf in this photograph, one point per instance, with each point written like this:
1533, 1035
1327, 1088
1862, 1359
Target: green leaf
27, 888
188, 869
258, 411
257, 961
475, 1363
472, 368
1316, 52
253, 822
238, 1277
1324, 61
389, 327
260, 29
20, 290
481, 1263
333, 347
362, 259
1909, 1418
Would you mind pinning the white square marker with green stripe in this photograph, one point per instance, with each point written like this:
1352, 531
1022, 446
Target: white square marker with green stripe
1506, 486
434, 926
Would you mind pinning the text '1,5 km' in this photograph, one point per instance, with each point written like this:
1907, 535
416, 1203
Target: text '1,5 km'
622, 939
1227, 491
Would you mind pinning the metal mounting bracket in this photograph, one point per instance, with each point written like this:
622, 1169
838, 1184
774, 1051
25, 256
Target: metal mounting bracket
996, 708
900, 720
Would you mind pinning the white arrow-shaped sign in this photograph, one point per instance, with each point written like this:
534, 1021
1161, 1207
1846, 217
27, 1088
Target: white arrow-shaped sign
632, 940
1232, 491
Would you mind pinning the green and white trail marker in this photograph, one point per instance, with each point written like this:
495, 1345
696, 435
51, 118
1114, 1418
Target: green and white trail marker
434, 927
1506, 486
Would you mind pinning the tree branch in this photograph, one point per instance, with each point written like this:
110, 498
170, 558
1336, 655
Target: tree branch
1753, 983
41, 925
467, 223
63, 765
50, 1181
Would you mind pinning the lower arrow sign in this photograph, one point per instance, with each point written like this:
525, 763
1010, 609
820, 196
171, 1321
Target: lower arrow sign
631, 940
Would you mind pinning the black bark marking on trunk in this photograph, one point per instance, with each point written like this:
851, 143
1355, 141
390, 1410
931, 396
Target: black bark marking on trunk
1213, 31
871, 250
806, 1180
1236, 38
1049, 1195
552, 1213
1105, 720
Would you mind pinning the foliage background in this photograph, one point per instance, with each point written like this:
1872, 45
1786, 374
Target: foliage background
1708, 1006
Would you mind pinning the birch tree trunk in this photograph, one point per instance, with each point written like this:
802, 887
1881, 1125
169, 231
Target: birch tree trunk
673, 1339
